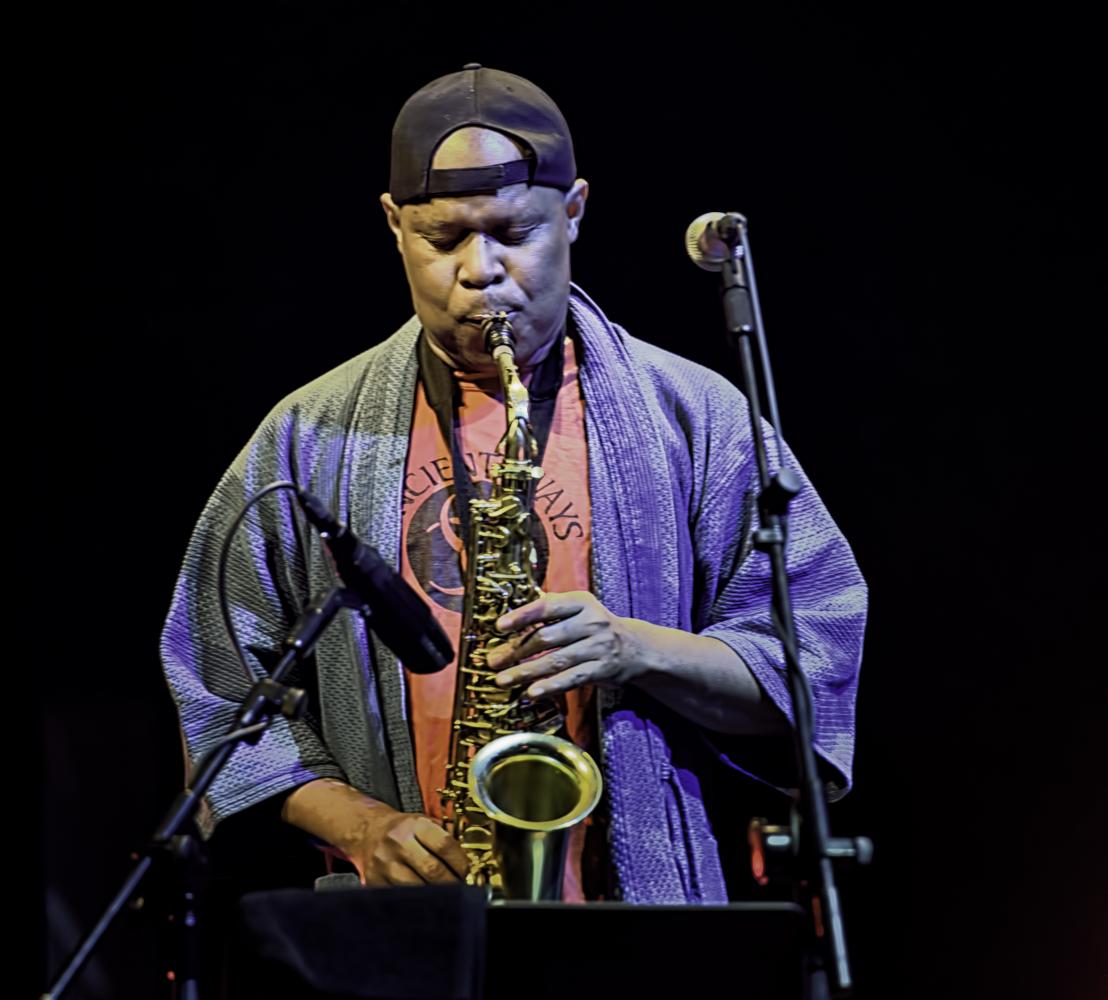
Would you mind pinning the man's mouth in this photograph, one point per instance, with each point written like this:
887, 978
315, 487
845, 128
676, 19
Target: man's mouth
477, 318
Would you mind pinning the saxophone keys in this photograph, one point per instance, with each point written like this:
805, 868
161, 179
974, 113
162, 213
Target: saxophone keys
477, 838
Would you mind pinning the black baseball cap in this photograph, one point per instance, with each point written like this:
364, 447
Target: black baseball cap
488, 98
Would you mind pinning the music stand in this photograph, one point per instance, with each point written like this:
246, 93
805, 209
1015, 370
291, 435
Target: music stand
447, 943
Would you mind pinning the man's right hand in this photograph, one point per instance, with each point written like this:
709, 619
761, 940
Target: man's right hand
387, 847
407, 849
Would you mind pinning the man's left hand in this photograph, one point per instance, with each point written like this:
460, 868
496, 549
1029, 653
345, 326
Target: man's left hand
582, 642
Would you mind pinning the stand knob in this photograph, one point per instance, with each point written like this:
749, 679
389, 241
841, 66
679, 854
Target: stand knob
773, 850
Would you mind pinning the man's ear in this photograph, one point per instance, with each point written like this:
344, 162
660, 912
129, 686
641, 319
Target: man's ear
392, 216
575, 207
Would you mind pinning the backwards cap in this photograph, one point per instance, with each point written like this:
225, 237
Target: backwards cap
486, 98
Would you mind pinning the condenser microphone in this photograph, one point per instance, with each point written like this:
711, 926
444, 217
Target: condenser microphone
711, 238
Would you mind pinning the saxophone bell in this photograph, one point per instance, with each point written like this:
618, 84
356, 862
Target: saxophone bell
535, 788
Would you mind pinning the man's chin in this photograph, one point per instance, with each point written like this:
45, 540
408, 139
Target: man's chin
463, 349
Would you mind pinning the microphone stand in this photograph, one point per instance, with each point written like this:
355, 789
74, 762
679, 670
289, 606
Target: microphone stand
266, 699
807, 846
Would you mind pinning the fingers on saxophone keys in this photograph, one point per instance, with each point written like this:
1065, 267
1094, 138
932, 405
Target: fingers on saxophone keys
520, 674
542, 666
519, 647
541, 637
443, 854
567, 680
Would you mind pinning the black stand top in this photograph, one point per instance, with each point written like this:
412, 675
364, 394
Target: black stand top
448, 942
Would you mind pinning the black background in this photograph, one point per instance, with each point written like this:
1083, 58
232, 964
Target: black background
928, 227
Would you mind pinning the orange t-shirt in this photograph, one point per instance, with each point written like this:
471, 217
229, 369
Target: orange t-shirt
431, 553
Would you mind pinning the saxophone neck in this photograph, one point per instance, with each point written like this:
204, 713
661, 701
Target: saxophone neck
500, 343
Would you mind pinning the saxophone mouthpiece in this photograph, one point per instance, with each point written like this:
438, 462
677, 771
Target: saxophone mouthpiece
497, 329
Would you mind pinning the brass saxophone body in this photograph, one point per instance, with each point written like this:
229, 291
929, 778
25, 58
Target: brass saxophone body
513, 787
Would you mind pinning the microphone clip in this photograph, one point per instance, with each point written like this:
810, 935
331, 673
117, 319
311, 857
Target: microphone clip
728, 229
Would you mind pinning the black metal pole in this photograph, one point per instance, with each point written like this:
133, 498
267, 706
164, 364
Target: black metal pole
815, 877
267, 699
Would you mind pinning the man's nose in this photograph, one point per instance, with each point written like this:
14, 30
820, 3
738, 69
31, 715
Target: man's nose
481, 262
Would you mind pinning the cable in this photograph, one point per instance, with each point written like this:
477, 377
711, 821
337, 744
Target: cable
224, 557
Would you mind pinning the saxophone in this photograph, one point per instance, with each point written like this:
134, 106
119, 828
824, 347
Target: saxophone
513, 787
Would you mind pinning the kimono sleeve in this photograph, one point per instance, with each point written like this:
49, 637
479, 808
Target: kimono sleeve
829, 599
266, 589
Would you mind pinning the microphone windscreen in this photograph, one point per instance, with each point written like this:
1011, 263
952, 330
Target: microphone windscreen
704, 248
403, 621
397, 614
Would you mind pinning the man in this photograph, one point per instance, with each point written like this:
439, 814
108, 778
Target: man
655, 626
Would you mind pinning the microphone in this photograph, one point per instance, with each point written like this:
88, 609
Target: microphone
404, 623
712, 237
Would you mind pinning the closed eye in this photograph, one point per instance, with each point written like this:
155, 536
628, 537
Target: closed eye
511, 236
515, 235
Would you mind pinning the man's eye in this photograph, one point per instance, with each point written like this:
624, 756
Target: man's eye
506, 237
513, 236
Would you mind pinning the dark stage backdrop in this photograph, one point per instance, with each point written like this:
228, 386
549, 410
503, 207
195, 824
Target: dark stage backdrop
926, 216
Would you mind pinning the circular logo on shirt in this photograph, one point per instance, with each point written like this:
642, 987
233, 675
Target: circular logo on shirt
434, 546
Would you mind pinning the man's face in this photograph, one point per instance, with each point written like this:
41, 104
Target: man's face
470, 256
